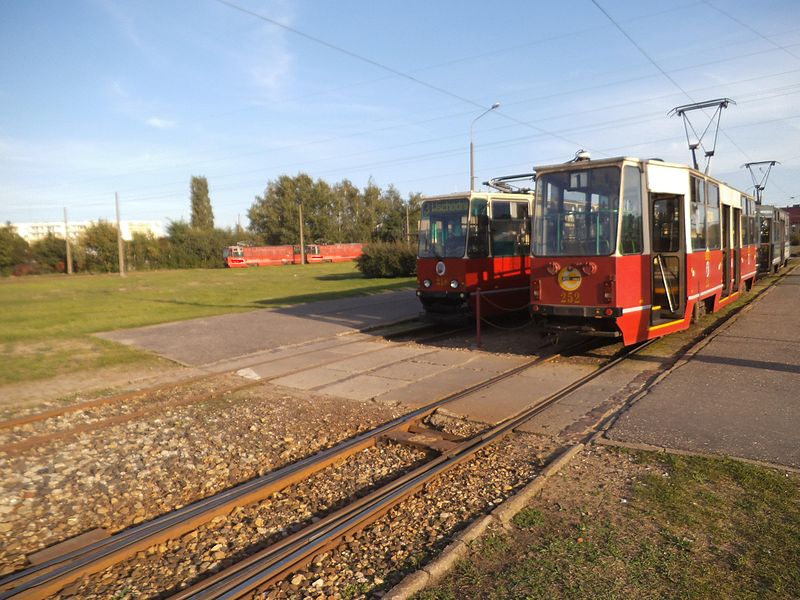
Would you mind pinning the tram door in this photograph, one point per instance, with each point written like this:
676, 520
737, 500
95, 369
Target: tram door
726, 251
668, 258
737, 249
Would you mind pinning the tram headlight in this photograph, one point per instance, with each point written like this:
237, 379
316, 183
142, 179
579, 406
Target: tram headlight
426, 283
553, 267
454, 283
535, 289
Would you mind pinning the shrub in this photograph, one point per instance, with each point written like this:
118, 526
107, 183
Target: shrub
387, 260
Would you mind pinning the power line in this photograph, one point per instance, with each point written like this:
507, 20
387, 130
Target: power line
384, 67
662, 71
750, 29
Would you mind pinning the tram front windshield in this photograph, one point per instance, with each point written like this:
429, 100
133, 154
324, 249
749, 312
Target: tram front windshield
576, 212
443, 228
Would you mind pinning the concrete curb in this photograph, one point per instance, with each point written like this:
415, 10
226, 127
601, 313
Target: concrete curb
678, 452
458, 548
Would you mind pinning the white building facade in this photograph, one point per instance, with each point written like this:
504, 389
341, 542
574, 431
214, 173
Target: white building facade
32, 232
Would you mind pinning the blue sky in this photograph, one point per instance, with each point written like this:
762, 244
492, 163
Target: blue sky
136, 96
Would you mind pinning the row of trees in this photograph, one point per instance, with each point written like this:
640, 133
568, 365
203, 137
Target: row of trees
331, 213
335, 213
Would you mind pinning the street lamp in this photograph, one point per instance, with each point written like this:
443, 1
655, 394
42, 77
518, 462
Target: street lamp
472, 146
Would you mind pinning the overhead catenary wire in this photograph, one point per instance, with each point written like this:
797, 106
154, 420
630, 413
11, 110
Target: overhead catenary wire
660, 69
402, 160
364, 132
653, 116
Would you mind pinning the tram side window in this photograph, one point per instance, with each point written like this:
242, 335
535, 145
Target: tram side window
713, 236
631, 237
698, 214
510, 229
478, 233
745, 221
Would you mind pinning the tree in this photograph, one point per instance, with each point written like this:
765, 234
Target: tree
13, 249
202, 214
144, 251
190, 247
98, 251
50, 253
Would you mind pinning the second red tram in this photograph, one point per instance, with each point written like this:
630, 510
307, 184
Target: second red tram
632, 248
474, 240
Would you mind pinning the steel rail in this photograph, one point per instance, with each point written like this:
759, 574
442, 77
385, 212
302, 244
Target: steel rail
51, 576
88, 404
67, 434
278, 560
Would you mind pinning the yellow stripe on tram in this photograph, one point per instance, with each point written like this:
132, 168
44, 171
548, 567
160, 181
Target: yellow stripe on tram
665, 324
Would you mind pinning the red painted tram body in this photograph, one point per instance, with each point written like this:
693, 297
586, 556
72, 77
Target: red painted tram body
474, 240
632, 248
266, 256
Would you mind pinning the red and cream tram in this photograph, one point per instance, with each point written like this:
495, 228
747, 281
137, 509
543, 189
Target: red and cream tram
474, 240
775, 232
632, 248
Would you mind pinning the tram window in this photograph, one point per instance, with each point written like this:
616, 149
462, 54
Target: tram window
510, 229
577, 213
443, 228
666, 224
745, 221
698, 214
501, 210
631, 236
478, 230
765, 224
713, 236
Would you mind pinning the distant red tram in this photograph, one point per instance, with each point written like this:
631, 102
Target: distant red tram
474, 240
632, 248
265, 256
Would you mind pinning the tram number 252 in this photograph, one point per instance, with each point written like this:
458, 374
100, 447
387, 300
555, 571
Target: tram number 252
570, 298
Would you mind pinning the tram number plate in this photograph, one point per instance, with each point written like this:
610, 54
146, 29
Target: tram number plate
570, 297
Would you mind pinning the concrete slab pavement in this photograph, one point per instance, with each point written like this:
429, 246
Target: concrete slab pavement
738, 396
208, 340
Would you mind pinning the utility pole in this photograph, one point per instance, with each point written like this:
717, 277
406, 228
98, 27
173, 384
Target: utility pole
302, 241
408, 228
66, 237
120, 246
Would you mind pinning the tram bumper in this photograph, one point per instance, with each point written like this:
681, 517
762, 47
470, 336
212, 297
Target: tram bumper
588, 320
444, 304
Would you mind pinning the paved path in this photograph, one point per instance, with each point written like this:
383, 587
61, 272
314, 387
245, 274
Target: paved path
739, 395
211, 339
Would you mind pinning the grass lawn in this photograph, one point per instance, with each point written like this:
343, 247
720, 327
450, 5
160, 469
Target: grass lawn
626, 524
46, 321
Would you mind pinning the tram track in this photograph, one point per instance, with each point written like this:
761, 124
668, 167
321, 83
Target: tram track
16, 435
275, 562
54, 574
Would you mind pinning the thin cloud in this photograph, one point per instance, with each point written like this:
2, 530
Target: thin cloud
160, 123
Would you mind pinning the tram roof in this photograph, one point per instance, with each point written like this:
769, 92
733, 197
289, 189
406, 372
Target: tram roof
619, 159
484, 195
